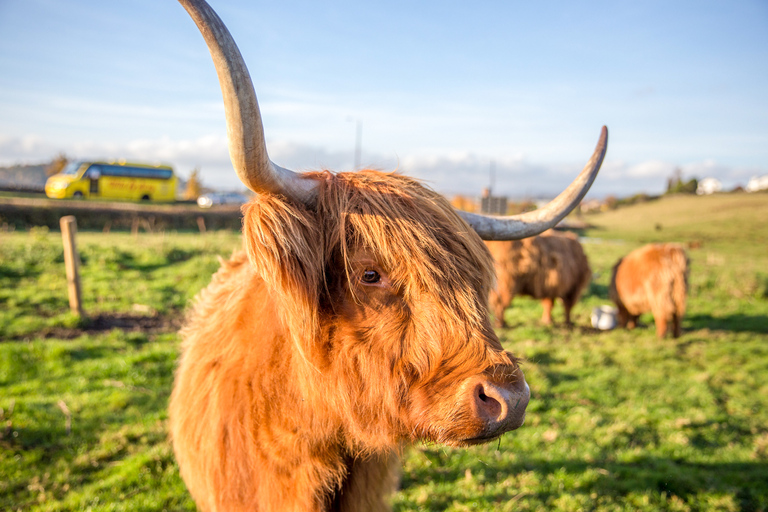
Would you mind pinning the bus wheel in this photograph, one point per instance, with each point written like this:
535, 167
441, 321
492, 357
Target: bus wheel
145, 197
78, 195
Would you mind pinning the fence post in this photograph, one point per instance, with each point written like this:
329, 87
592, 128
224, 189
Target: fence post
72, 263
201, 224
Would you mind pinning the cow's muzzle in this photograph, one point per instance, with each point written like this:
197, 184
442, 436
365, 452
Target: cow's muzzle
499, 405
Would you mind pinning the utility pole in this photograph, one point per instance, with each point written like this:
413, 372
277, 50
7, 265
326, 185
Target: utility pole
358, 145
358, 142
492, 177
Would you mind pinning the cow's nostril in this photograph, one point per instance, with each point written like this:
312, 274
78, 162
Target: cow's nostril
488, 406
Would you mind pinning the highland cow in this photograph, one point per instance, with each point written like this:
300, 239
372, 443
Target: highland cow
652, 278
355, 322
546, 267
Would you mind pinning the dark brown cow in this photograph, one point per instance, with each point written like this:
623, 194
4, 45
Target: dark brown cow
546, 267
652, 278
355, 322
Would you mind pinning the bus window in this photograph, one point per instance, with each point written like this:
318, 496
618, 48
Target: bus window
93, 174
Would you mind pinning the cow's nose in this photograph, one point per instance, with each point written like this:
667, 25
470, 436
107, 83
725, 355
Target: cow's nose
501, 406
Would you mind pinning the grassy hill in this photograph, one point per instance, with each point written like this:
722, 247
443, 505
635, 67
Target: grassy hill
721, 220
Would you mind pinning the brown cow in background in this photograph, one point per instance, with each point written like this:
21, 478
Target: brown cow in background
652, 278
355, 322
546, 267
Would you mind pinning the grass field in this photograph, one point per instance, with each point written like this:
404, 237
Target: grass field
617, 421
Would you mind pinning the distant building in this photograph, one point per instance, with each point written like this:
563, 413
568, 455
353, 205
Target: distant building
757, 183
493, 205
708, 186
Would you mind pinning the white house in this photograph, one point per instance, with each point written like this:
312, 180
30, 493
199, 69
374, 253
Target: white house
708, 186
757, 183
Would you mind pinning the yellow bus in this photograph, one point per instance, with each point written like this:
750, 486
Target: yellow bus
113, 180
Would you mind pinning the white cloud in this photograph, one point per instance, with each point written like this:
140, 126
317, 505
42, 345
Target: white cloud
650, 169
25, 149
305, 157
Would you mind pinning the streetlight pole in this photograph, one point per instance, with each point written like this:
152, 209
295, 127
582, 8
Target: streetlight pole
358, 141
492, 176
358, 144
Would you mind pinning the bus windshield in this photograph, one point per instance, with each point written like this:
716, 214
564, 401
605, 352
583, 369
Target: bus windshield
71, 168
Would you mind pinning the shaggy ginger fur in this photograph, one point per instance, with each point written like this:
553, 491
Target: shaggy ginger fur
652, 278
302, 376
544, 267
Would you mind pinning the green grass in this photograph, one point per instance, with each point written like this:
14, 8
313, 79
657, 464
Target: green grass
151, 273
112, 453
618, 420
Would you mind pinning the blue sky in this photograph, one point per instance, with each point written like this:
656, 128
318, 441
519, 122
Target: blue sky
444, 90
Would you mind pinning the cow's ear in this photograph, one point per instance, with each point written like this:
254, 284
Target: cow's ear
284, 247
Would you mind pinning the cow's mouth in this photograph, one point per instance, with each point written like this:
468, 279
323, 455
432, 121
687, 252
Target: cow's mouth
472, 441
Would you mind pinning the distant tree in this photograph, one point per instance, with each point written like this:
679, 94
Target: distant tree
611, 202
690, 186
684, 187
674, 181
676, 185
57, 165
194, 186
635, 199
516, 207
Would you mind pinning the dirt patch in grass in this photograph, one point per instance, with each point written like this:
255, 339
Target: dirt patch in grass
134, 322
128, 322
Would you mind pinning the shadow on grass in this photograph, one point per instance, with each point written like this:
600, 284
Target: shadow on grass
544, 358
17, 272
597, 290
747, 481
737, 322
117, 259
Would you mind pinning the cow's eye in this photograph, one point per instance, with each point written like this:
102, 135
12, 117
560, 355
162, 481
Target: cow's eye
370, 277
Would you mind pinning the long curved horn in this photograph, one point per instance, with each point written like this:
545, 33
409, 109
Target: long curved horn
245, 133
248, 149
515, 227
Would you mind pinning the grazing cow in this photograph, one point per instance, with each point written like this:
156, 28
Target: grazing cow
652, 278
546, 267
355, 322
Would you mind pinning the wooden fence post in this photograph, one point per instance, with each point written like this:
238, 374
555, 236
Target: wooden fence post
201, 224
135, 227
72, 263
